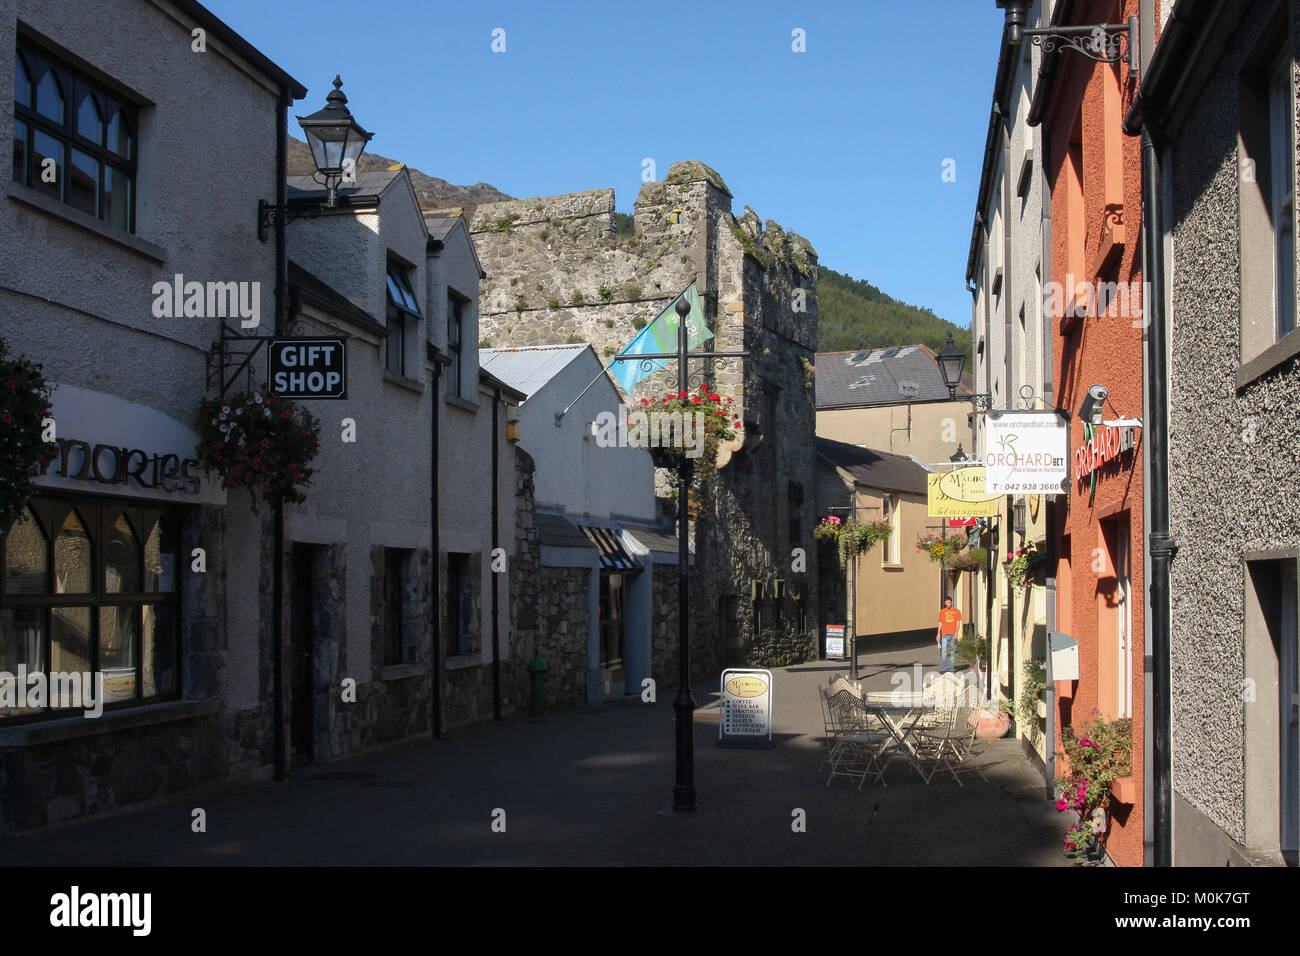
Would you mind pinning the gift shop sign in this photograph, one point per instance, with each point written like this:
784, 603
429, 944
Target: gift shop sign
308, 368
1104, 444
1026, 453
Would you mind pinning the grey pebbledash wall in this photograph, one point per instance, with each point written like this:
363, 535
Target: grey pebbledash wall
556, 273
1229, 496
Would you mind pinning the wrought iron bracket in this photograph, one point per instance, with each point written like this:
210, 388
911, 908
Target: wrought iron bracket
225, 354
981, 402
1105, 43
269, 215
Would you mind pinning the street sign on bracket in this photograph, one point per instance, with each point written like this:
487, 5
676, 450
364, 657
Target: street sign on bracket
308, 368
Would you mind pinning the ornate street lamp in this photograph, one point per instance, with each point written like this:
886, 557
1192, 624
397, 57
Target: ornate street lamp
337, 141
951, 359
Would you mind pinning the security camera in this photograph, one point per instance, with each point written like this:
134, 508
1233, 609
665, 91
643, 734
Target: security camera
1091, 409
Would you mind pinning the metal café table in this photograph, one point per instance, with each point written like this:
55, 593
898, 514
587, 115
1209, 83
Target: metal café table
900, 711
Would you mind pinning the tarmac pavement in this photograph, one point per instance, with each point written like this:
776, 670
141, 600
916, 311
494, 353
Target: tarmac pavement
592, 788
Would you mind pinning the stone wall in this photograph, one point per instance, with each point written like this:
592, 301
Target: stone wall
563, 625
556, 274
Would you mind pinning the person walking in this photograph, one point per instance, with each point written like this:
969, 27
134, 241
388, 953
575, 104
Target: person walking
946, 635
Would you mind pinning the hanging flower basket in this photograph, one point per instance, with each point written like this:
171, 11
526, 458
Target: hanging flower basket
687, 426
972, 560
257, 441
853, 537
1025, 567
938, 547
24, 403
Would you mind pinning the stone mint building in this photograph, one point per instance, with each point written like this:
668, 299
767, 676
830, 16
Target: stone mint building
557, 273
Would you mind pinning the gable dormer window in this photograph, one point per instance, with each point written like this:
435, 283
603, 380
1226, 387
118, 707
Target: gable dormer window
403, 314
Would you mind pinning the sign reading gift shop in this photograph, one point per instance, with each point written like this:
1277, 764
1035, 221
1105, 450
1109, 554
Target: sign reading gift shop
959, 494
116, 447
746, 705
1027, 453
308, 368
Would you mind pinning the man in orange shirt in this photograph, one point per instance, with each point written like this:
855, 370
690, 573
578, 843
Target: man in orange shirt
946, 635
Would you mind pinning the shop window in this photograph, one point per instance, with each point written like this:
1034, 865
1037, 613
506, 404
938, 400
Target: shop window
88, 589
73, 139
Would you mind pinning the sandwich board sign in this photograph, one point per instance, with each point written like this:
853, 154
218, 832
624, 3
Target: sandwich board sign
835, 642
308, 368
746, 705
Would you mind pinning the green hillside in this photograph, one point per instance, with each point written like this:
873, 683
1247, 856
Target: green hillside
854, 314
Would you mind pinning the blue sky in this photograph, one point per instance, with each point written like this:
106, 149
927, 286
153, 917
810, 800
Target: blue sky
844, 143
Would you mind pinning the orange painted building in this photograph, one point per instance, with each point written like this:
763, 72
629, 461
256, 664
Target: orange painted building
1094, 304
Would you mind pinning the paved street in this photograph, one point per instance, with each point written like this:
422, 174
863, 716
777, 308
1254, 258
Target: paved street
588, 788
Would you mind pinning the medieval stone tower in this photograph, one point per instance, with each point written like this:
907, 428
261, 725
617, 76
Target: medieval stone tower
557, 273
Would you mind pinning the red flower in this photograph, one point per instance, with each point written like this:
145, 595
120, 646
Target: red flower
257, 463
10, 383
704, 386
264, 442
695, 399
728, 400
713, 397
681, 394
8, 418
284, 414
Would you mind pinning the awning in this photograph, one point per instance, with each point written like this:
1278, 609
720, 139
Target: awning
612, 555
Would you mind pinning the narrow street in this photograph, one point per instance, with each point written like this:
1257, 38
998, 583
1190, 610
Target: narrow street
587, 788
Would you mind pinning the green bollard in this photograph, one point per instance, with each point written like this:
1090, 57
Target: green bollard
537, 671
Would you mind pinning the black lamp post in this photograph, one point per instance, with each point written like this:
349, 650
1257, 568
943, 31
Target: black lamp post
337, 141
684, 704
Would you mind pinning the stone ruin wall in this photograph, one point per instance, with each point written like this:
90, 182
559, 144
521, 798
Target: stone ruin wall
556, 273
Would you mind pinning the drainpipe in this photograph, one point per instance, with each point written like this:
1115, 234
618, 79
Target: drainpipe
1161, 546
279, 737
1052, 513
496, 533
435, 556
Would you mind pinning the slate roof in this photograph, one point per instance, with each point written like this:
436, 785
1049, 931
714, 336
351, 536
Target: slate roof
875, 469
369, 183
662, 541
529, 369
558, 531
878, 377
440, 226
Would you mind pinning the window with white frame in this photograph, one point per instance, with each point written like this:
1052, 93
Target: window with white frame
893, 545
